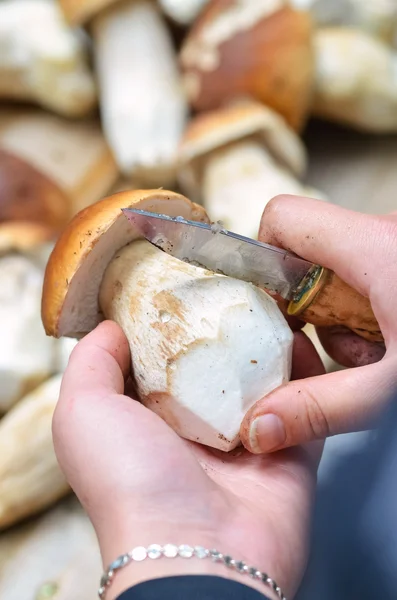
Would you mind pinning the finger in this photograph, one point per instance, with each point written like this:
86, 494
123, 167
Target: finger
315, 408
306, 362
339, 239
99, 363
349, 349
94, 377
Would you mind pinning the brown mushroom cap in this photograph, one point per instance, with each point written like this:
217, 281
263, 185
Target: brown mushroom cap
20, 236
81, 11
262, 49
28, 195
78, 262
212, 130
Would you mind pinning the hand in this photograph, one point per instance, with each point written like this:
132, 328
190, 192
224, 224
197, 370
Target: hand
141, 484
362, 250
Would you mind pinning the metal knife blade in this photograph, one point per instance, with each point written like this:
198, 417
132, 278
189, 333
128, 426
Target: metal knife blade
222, 251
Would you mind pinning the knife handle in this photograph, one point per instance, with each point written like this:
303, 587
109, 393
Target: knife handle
324, 300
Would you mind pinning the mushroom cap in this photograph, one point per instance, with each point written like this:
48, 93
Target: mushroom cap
23, 237
81, 255
212, 130
360, 92
28, 195
260, 48
78, 12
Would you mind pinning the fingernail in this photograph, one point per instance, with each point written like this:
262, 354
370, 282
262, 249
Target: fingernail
267, 433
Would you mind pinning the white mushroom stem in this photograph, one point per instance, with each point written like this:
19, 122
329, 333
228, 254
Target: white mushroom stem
240, 179
356, 80
26, 354
183, 12
59, 553
204, 347
30, 477
42, 60
143, 106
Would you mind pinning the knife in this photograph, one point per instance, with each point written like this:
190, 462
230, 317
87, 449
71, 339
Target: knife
315, 294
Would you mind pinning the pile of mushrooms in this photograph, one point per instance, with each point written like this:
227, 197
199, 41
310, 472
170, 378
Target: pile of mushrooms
29, 475
203, 97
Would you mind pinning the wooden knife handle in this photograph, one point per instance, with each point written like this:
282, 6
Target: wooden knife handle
324, 300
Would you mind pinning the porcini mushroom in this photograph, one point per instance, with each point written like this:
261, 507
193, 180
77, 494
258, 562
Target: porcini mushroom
26, 354
377, 18
234, 160
30, 477
73, 153
257, 48
183, 12
204, 347
60, 554
143, 105
28, 195
42, 60
356, 80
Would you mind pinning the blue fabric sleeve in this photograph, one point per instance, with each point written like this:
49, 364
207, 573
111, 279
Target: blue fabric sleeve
192, 587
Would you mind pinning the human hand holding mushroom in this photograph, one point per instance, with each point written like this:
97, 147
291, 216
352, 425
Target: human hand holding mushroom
181, 331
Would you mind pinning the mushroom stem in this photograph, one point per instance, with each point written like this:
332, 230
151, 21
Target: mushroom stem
244, 172
26, 354
204, 347
30, 477
183, 12
42, 59
144, 109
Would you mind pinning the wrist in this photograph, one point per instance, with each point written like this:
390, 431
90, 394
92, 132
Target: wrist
139, 572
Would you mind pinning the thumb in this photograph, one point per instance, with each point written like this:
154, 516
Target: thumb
318, 407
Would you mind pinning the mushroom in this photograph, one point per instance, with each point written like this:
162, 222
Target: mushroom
234, 160
30, 477
26, 194
59, 553
204, 347
356, 80
42, 60
323, 12
26, 354
72, 154
256, 48
183, 12
143, 105
378, 18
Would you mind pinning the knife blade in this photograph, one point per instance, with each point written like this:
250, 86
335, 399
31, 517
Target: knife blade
223, 252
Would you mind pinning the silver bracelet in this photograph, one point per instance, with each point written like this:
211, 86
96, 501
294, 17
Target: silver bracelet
156, 551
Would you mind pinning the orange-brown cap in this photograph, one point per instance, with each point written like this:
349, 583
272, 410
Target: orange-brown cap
78, 12
78, 262
212, 130
28, 195
260, 49
21, 236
